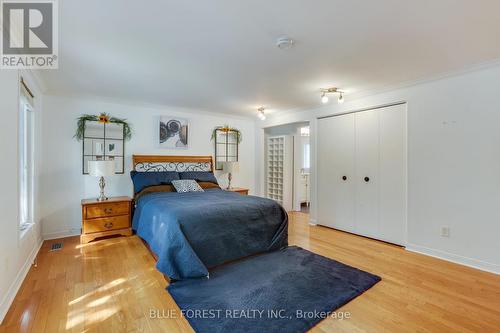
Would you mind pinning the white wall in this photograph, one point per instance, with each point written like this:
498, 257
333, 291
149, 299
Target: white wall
16, 252
453, 163
62, 180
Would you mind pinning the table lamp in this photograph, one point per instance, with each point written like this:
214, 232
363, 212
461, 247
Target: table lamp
229, 167
102, 169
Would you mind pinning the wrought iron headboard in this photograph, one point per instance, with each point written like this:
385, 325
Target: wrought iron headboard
150, 163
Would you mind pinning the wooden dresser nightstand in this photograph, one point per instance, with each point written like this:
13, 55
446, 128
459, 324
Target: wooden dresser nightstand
240, 190
105, 218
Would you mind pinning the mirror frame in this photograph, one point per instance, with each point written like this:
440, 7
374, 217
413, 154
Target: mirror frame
104, 138
224, 157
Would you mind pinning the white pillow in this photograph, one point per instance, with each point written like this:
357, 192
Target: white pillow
186, 185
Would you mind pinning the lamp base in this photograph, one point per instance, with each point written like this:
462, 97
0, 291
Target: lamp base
102, 184
229, 178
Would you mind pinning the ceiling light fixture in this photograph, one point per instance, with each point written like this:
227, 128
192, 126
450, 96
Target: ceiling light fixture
324, 98
261, 114
326, 91
341, 98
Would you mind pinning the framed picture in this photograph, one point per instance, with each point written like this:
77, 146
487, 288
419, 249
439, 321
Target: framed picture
173, 132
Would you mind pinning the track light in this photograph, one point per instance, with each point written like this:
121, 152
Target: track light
325, 91
324, 98
261, 114
341, 98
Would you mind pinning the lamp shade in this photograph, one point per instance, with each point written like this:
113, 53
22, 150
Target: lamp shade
230, 166
101, 168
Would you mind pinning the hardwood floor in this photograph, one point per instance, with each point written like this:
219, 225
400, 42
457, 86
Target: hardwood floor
111, 286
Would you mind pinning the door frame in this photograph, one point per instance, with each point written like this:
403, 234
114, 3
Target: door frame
263, 164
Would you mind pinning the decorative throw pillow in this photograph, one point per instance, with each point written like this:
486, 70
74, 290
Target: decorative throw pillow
186, 185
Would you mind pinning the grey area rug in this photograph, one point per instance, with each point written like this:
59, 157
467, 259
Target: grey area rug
289, 290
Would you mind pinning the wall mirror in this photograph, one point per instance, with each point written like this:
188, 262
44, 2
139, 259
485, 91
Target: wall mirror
226, 146
103, 141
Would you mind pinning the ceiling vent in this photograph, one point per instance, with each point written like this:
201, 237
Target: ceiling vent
284, 43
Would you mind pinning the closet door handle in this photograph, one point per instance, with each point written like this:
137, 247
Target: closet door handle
344, 178
367, 179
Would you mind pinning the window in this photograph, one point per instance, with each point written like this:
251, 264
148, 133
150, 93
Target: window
306, 160
26, 155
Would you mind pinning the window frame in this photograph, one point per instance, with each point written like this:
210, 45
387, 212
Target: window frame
306, 156
27, 116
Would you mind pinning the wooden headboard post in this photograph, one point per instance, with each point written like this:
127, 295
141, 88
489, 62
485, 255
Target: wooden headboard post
174, 160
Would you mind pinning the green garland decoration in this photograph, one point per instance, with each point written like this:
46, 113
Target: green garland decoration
103, 118
227, 128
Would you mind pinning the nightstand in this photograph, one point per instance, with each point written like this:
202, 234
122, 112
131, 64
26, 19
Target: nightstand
105, 218
240, 190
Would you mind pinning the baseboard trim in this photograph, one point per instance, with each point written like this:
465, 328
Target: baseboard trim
313, 222
18, 281
62, 234
457, 259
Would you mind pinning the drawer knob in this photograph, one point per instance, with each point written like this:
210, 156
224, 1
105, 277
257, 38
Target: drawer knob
344, 177
108, 210
367, 179
108, 225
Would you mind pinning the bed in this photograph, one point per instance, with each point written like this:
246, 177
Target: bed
190, 233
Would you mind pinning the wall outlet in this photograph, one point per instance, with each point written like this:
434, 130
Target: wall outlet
445, 231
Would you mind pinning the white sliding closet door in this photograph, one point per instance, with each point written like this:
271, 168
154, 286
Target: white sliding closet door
362, 173
336, 147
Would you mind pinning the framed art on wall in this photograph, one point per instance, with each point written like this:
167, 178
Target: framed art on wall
173, 132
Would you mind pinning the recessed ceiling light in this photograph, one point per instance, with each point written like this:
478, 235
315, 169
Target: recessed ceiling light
284, 43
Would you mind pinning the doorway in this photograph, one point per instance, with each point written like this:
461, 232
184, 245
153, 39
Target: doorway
288, 164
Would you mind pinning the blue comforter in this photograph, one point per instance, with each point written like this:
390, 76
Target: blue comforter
191, 232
